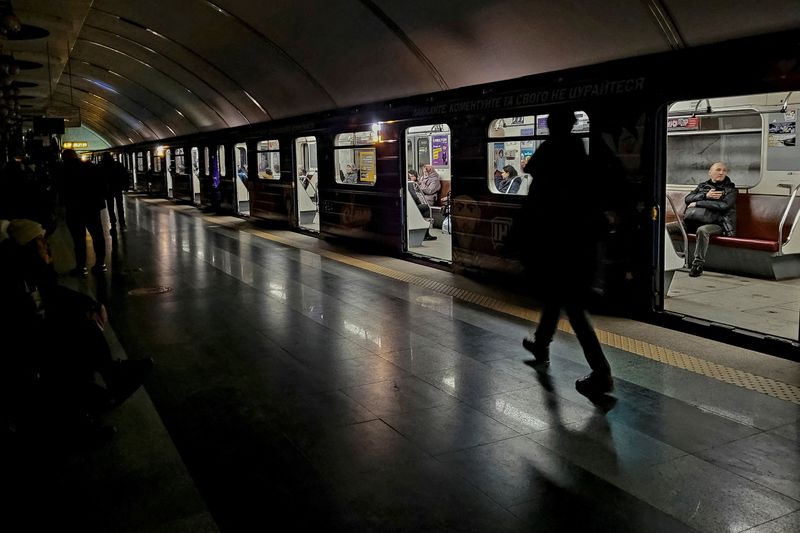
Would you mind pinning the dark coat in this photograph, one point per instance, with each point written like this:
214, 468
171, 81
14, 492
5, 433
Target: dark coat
725, 207
563, 218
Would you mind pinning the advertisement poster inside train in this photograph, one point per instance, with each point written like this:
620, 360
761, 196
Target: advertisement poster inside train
441, 147
366, 165
499, 156
783, 130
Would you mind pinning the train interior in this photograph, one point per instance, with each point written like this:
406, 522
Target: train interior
306, 177
430, 236
242, 195
752, 281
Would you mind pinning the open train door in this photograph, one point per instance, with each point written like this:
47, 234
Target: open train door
195, 176
306, 184
427, 215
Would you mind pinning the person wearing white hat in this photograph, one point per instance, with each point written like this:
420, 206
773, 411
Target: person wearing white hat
61, 331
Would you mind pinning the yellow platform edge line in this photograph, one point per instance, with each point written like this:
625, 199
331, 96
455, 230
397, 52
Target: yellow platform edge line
764, 385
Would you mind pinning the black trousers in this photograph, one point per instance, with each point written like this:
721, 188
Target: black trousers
579, 320
78, 223
110, 200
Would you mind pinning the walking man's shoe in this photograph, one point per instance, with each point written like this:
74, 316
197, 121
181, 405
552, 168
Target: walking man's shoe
541, 353
595, 384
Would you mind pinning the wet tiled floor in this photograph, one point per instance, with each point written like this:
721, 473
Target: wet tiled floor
293, 389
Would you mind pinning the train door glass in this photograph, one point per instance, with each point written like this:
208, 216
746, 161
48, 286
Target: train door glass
195, 176
242, 194
138, 170
307, 194
748, 277
268, 158
426, 204
168, 172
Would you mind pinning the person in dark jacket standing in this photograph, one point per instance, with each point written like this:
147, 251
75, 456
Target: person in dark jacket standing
84, 200
717, 196
564, 224
116, 178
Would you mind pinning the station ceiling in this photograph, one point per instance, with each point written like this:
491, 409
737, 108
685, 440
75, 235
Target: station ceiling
153, 69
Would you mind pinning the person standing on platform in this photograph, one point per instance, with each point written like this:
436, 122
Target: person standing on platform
84, 200
116, 178
563, 224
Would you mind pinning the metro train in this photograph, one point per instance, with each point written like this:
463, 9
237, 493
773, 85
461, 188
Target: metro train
651, 125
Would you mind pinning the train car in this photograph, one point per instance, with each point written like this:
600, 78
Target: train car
649, 124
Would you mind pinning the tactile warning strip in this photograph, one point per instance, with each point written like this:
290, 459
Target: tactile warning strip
740, 378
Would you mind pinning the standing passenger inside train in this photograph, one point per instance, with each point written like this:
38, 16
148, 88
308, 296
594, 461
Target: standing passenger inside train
430, 184
710, 210
563, 225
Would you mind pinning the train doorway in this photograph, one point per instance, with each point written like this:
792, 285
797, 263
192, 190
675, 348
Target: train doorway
242, 198
195, 176
427, 192
748, 278
168, 172
306, 183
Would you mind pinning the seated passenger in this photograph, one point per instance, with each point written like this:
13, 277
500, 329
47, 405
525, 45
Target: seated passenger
420, 201
242, 173
265, 174
430, 184
57, 332
710, 210
349, 174
508, 182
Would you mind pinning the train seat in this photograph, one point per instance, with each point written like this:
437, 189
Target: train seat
417, 225
758, 235
441, 198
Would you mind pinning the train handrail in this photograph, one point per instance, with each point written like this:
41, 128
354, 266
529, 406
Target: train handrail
316, 192
786, 214
685, 253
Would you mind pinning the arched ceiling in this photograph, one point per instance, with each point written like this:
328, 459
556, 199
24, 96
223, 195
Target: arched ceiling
152, 69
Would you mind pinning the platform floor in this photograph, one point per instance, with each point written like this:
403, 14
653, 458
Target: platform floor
298, 385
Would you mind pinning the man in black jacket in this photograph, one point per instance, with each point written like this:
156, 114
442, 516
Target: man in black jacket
116, 178
717, 197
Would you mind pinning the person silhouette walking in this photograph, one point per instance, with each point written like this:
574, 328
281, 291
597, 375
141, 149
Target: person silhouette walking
564, 226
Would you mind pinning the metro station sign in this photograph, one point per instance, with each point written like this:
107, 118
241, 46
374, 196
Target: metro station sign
74, 145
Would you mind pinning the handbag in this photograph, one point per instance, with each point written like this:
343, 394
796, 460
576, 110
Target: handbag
699, 216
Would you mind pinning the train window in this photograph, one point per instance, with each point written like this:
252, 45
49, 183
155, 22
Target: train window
269, 160
180, 161
139, 162
732, 134
429, 145
355, 157
522, 136
221, 159
157, 164
206, 158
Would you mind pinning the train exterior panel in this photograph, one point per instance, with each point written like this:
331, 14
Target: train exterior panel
626, 103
